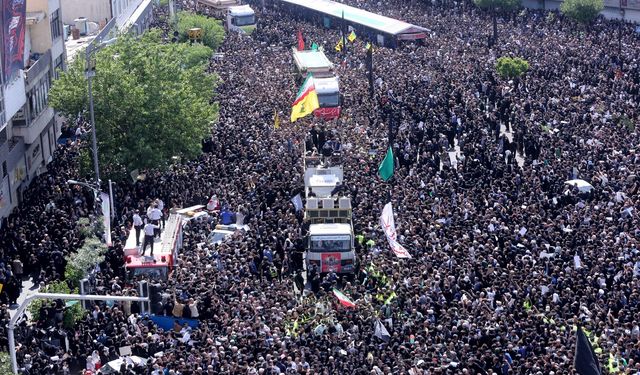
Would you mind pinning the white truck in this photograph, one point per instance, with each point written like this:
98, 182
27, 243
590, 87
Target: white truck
241, 19
330, 244
326, 82
237, 17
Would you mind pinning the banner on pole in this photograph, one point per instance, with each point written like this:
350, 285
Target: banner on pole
106, 214
388, 225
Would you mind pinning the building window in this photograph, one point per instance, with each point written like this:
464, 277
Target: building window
39, 97
4, 169
58, 66
56, 25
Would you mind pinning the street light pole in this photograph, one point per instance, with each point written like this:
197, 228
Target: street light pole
90, 73
111, 202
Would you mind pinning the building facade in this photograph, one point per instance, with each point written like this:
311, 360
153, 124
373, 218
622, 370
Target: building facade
30, 128
628, 10
98, 11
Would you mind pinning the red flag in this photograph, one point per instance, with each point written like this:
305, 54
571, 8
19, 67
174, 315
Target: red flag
300, 41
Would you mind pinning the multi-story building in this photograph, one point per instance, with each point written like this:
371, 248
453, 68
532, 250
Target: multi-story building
29, 129
31, 60
100, 12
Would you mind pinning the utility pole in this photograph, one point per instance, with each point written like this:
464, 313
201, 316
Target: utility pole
90, 71
370, 69
112, 203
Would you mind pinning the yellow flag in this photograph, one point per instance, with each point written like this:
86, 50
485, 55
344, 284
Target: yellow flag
276, 120
305, 106
339, 45
367, 46
352, 36
306, 101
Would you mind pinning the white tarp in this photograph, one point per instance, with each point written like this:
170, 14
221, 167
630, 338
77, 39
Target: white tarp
388, 225
582, 185
113, 367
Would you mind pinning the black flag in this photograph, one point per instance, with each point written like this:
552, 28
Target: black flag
585, 361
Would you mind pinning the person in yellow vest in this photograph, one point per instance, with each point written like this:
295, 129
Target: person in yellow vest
616, 363
391, 297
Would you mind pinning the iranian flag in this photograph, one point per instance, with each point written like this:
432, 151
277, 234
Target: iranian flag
344, 300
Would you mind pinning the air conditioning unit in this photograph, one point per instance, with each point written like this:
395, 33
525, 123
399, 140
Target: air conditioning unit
327, 203
312, 204
344, 203
81, 24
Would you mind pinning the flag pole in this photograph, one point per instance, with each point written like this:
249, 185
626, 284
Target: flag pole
390, 146
370, 68
344, 32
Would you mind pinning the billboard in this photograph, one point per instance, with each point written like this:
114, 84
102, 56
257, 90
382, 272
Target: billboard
13, 34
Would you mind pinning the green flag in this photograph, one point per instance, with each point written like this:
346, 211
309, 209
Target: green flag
385, 170
314, 47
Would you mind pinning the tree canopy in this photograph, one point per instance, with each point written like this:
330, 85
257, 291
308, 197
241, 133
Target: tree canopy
152, 100
211, 27
583, 11
511, 67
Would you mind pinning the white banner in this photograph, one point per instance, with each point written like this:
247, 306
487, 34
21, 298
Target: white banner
106, 213
297, 202
389, 227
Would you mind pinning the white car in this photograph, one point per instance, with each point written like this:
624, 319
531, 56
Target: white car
223, 231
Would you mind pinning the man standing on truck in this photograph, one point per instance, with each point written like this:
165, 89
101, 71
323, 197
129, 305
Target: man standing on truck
155, 215
137, 224
149, 236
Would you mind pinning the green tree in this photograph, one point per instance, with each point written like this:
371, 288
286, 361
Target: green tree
495, 7
5, 364
211, 27
90, 254
511, 67
582, 11
74, 311
152, 101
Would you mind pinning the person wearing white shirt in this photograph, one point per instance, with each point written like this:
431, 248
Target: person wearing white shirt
149, 231
137, 224
155, 215
160, 205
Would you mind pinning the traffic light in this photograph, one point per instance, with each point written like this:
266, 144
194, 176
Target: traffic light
155, 298
143, 291
86, 288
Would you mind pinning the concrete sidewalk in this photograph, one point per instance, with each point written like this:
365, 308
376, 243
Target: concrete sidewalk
28, 288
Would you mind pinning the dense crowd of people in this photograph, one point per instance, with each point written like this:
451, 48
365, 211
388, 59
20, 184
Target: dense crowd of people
507, 259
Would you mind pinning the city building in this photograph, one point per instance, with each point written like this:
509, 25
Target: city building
90, 17
37, 45
32, 58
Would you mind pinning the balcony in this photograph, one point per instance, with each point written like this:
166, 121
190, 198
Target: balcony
30, 133
12, 151
40, 63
